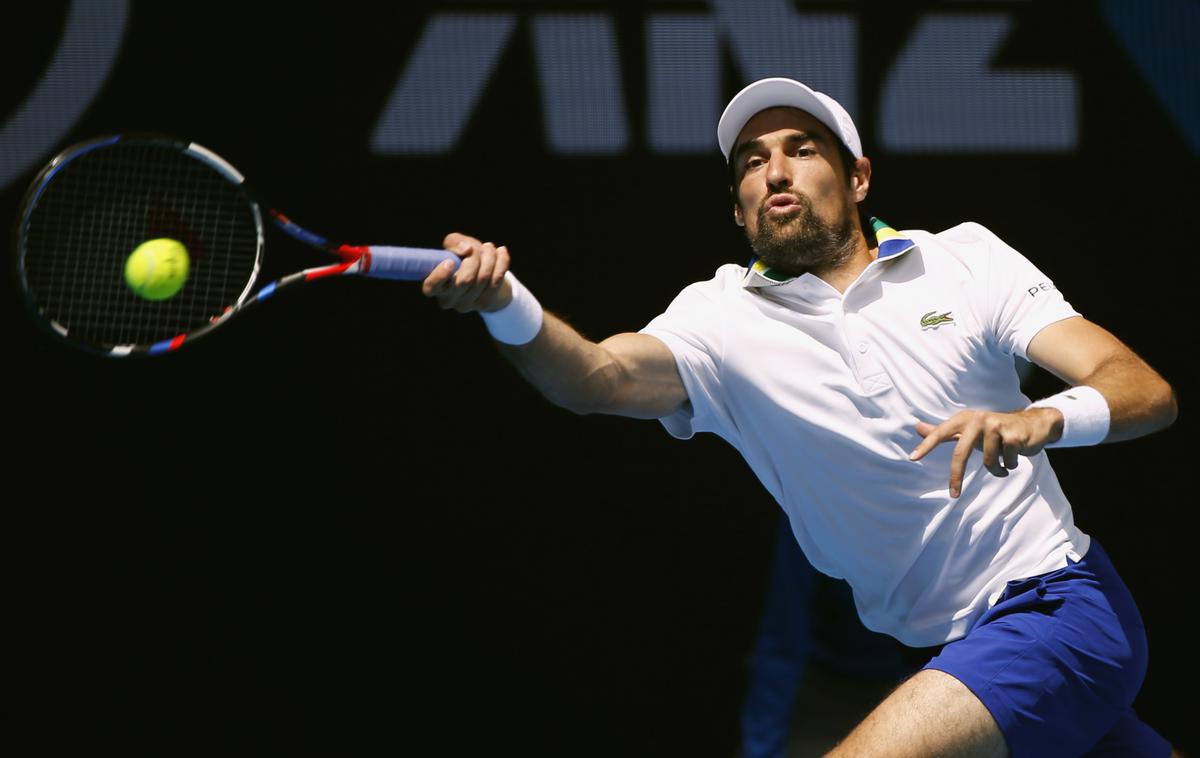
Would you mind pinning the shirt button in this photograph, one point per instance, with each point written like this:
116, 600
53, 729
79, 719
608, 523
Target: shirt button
862, 347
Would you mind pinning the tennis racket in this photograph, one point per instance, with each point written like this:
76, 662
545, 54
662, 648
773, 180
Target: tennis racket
96, 202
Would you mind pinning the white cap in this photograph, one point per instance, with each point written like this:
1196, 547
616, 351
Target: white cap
777, 91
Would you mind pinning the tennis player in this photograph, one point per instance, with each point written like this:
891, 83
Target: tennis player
867, 377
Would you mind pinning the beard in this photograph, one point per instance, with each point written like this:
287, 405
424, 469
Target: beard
801, 242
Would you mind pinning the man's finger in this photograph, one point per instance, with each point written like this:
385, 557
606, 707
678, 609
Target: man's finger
437, 279
465, 275
992, 446
934, 436
454, 240
958, 462
447, 281
483, 273
1011, 456
930, 442
501, 265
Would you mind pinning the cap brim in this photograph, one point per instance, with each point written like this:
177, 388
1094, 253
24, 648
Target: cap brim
769, 93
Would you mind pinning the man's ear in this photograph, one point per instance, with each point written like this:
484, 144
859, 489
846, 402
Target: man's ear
737, 212
860, 180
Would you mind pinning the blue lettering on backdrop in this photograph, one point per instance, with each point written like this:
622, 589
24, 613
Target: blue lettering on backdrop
442, 82
579, 70
91, 39
941, 94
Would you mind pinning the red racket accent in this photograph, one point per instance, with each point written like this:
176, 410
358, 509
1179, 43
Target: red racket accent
353, 252
337, 270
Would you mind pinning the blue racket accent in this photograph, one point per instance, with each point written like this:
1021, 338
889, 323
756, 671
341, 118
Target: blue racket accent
59, 166
159, 348
297, 231
267, 291
407, 263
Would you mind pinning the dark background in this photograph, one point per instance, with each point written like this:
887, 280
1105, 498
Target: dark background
343, 524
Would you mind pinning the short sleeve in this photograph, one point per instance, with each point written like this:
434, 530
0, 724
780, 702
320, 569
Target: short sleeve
1021, 300
693, 329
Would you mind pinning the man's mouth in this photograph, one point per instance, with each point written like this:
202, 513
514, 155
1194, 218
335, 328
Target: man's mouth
782, 205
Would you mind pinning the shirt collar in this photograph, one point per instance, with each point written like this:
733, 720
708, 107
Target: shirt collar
891, 243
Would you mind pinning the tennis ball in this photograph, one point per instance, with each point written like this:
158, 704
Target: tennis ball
157, 269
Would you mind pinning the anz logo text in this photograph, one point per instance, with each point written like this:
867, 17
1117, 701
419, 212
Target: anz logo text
940, 94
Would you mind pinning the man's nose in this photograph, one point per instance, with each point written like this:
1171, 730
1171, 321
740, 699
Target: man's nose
779, 174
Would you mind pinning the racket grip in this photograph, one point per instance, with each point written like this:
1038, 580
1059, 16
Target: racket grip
408, 263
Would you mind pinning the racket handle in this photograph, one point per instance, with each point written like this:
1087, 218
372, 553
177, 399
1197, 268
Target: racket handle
409, 263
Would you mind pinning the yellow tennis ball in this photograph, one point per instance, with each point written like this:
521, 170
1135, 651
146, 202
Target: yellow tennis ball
157, 269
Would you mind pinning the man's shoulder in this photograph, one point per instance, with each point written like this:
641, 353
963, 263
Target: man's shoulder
726, 280
729, 274
702, 305
969, 245
965, 237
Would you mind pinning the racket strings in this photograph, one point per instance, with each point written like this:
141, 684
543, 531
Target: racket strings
99, 206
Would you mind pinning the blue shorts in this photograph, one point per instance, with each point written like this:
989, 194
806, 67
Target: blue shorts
1058, 661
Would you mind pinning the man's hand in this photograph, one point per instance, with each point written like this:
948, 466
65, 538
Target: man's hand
478, 284
1001, 436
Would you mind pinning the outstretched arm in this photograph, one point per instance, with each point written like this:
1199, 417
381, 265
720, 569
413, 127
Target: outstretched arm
1080, 353
627, 374
1083, 353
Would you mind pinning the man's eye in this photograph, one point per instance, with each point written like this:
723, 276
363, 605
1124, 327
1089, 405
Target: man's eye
754, 162
806, 151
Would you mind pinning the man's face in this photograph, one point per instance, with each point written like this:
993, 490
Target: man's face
793, 196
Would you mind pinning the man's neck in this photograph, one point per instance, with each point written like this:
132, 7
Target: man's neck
843, 275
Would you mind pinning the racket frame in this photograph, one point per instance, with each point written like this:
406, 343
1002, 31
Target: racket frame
353, 259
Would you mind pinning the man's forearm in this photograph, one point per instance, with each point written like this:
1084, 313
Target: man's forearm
1082, 353
570, 370
1139, 400
629, 374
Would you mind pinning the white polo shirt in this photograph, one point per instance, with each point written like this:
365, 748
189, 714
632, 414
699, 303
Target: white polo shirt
821, 393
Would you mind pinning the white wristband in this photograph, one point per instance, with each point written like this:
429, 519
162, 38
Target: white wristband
1085, 416
519, 321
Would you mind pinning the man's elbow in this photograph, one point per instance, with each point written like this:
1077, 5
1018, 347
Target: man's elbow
580, 408
581, 404
595, 393
628, 400
1169, 404
1160, 403
607, 403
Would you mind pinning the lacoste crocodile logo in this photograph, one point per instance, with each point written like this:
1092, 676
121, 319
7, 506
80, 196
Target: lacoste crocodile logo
933, 319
